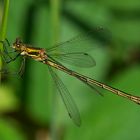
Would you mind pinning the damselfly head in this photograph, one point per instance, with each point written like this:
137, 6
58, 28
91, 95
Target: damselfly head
17, 44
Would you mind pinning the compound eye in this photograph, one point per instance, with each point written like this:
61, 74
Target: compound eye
18, 45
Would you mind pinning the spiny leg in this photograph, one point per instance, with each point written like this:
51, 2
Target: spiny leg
22, 67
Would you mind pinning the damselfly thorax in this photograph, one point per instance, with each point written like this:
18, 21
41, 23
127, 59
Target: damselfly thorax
37, 54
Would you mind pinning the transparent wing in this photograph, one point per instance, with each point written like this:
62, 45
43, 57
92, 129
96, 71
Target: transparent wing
80, 43
73, 51
76, 59
67, 99
93, 87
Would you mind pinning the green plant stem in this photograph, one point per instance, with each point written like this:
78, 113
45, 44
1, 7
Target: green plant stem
3, 28
55, 18
55, 22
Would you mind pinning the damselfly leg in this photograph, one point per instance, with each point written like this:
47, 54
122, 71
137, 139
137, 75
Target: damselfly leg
9, 55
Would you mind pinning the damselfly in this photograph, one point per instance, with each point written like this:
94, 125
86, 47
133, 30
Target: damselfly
72, 54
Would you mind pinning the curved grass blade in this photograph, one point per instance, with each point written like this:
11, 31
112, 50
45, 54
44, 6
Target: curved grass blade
67, 98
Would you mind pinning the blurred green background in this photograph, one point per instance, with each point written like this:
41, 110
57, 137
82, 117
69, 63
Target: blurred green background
30, 108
